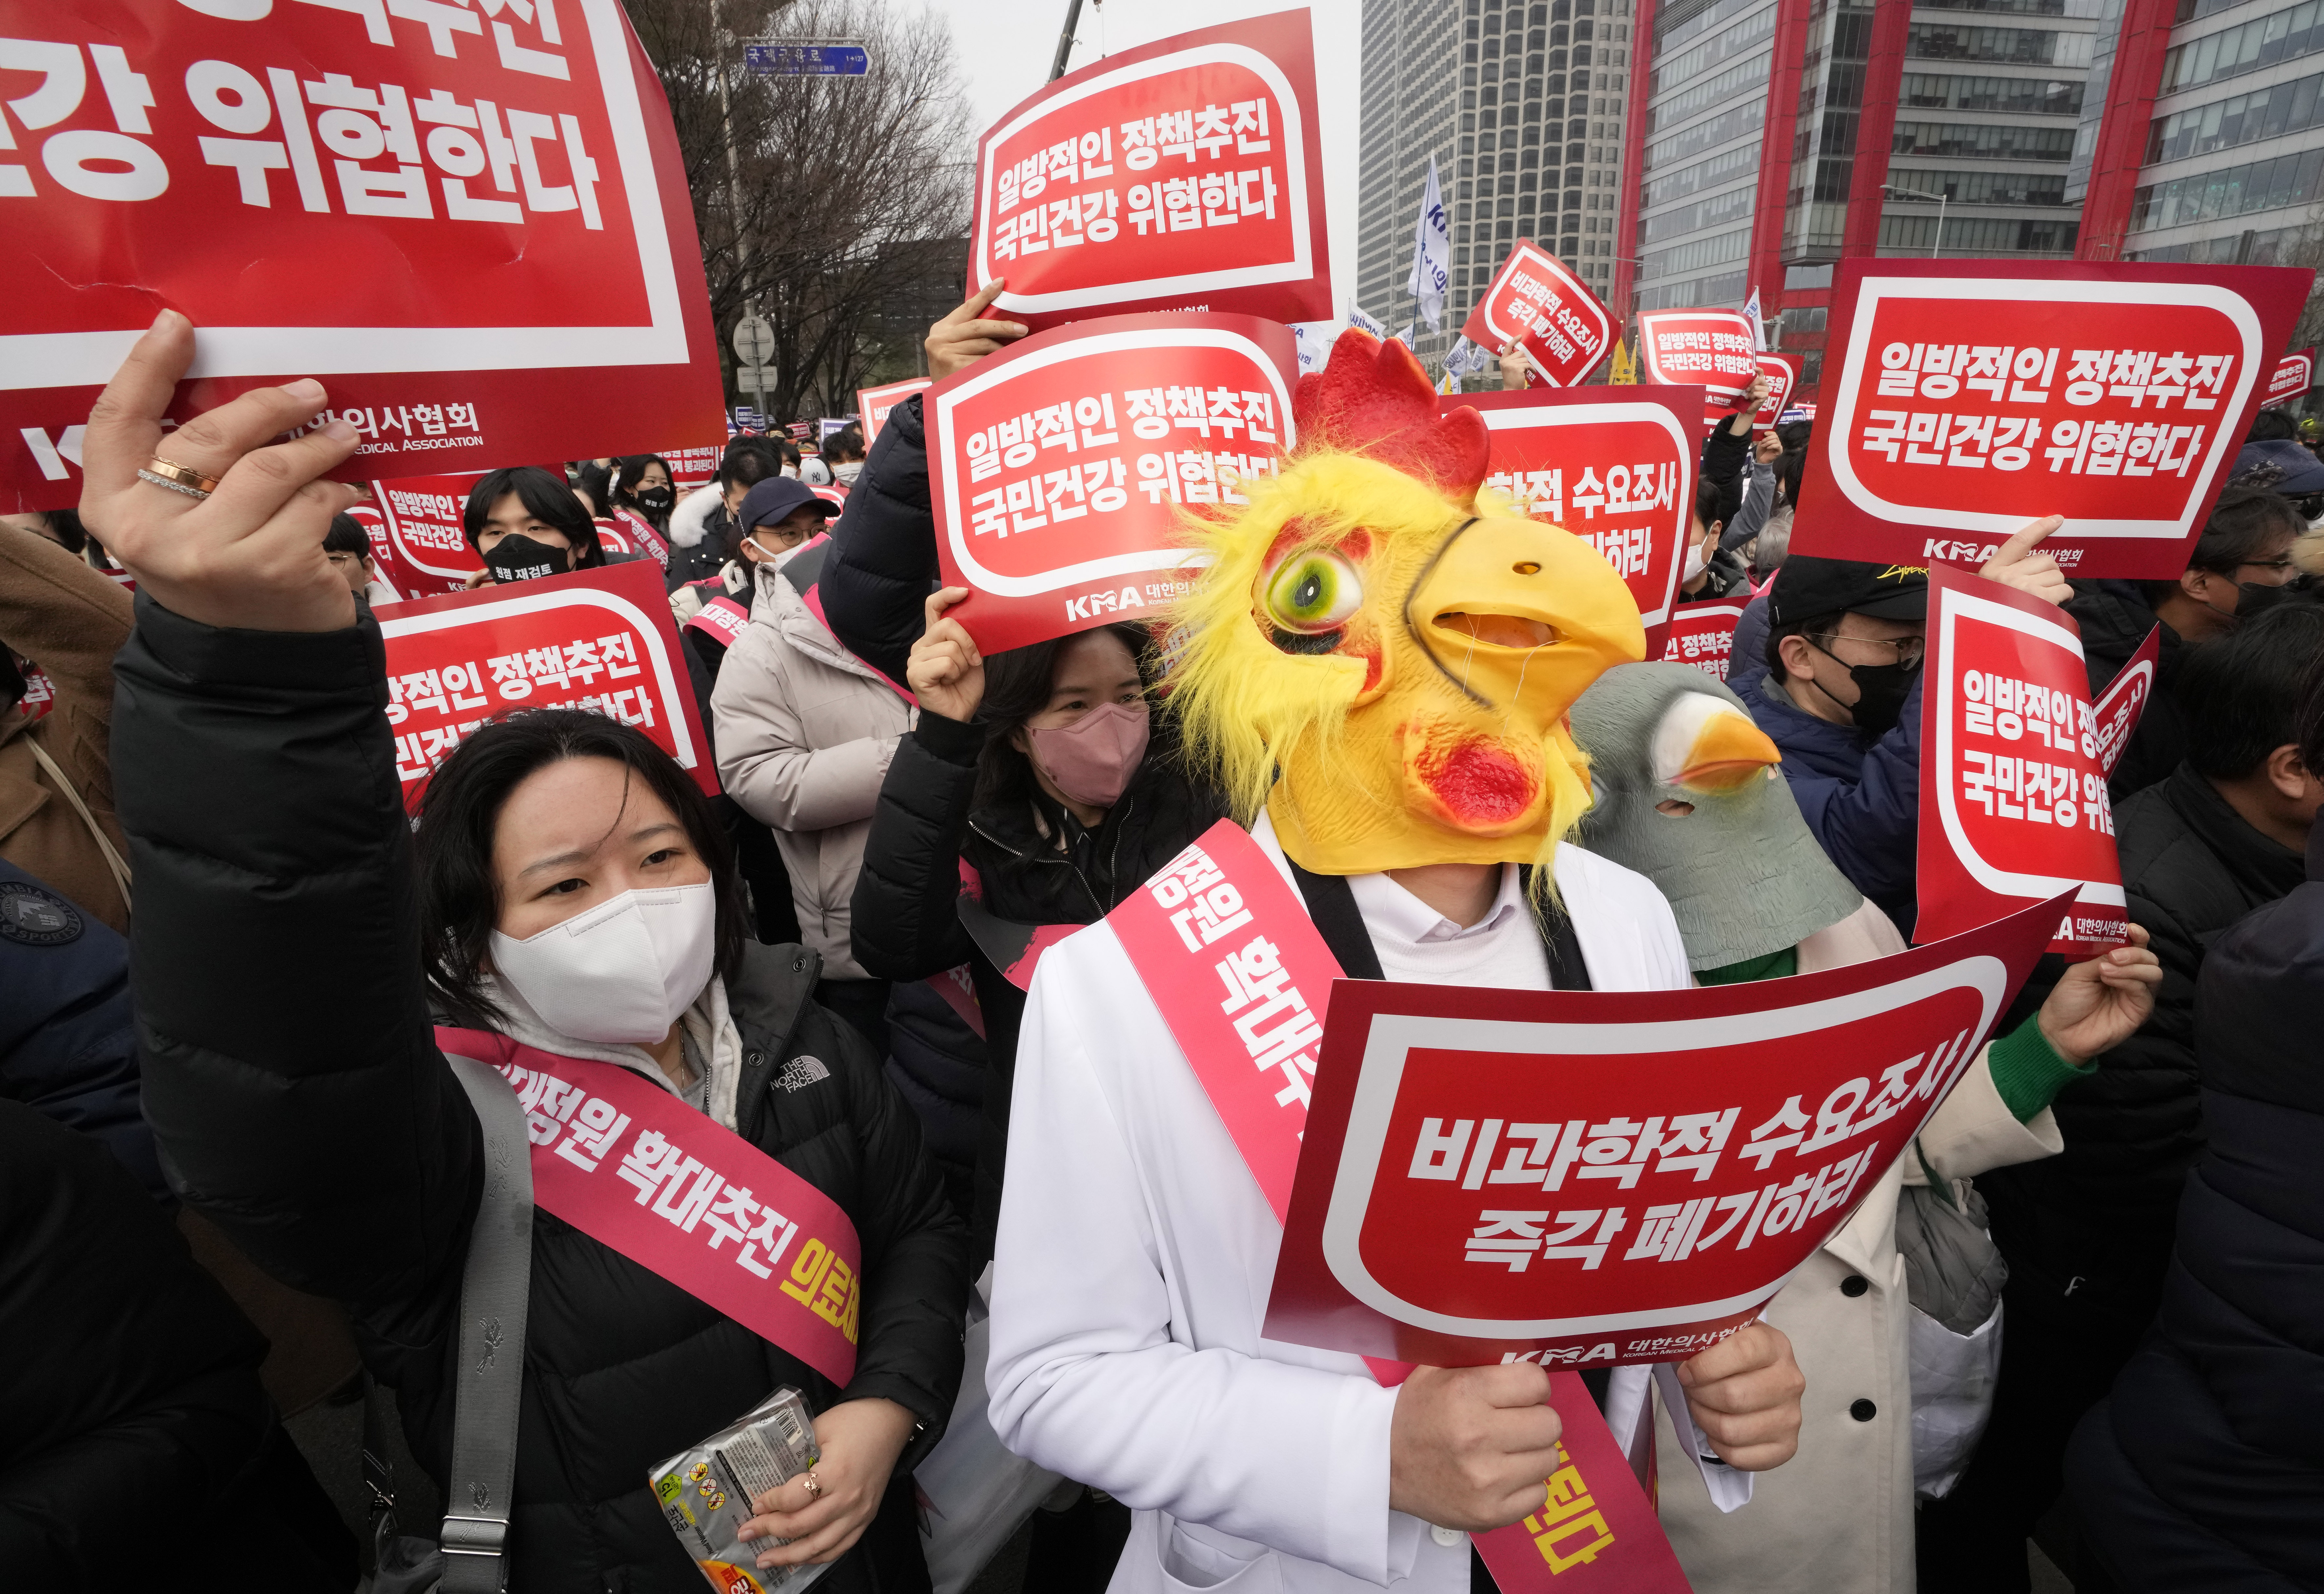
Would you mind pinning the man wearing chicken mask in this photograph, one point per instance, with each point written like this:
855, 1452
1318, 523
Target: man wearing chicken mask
1376, 668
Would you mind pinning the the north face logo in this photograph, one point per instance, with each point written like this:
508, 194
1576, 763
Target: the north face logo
801, 1072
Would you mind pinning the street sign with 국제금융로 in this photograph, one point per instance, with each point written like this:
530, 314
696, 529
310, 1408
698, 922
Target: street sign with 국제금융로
807, 58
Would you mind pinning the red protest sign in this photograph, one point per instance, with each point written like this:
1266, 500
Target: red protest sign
1703, 635
595, 640
1781, 377
2014, 806
873, 403
478, 212
1611, 1177
1614, 465
692, 467
1536, 303
2293, 375
1186, 174
1061, 466
39, 692
2114, 395
2116, 715
1710, 348
417, 522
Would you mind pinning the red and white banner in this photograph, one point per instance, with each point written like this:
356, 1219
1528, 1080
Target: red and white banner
873, 403
692, 467
1545, 309
1614, 465
794, 1276
1703, 635
1604, 1178
2014, 805
2293, 375
2119, 707
1184, 175
1060, 467
445, 214
597, 640
724, 618
39, 692
1973, 396
1712, 349
1782, 377
418, 545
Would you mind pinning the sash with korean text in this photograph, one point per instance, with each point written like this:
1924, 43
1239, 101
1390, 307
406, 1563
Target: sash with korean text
1243, 978
637, 1170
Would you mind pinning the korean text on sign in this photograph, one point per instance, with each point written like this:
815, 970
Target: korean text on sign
1272, 1019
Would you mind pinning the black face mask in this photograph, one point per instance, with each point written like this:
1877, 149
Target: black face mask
1880, 693
2257, 597
656, 498
518, 558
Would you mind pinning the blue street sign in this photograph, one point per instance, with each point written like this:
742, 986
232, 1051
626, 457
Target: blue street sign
807, 58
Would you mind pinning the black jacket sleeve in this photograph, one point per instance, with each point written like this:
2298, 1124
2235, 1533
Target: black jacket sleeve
1725, 457
884, 558
291, 1071
905, 912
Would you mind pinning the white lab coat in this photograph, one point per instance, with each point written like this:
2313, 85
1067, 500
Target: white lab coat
1133, 1264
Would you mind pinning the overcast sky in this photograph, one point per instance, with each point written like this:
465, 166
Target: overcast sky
1006, 47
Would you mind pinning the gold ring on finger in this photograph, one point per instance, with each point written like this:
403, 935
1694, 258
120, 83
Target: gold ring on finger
169, 472
814, 1484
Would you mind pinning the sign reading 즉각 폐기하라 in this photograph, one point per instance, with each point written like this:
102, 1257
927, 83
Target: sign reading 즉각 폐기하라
1060, 467
1611, 1177
1534, 302
1962, 399
1615, 466
1186, 175
435, 210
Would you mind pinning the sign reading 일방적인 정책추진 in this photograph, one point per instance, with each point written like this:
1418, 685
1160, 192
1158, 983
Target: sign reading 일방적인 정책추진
1962, 399
1184, 175
1713, 349
1060, 467
2014, 804
1616, 466
481, 206
1457, 1202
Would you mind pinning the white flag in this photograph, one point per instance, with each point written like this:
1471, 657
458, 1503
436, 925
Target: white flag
1432, 252
1759, 326
1363, 320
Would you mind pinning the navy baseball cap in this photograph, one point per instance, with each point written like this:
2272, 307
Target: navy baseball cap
777, 499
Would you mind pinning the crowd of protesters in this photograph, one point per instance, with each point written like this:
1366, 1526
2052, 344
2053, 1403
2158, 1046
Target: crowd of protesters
238, 1172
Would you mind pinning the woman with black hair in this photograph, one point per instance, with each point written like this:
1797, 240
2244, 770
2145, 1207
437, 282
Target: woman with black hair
570, 894
525, 522
1045, 774
644, 484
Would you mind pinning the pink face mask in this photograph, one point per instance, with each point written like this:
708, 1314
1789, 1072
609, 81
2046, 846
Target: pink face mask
1091, 759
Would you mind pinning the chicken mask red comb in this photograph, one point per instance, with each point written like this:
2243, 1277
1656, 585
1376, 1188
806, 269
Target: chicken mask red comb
1373, 399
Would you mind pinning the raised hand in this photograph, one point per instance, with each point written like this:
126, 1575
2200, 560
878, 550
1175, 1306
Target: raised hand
2102, 1001
964, 336
1514, 366
2016, 564
250, 554
945, 672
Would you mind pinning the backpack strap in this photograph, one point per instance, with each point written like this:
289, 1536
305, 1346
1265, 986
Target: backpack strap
494, 1288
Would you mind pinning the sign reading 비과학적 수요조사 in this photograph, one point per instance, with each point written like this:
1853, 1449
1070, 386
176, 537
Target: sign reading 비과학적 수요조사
1534, 302
1060, 467
1614, 465
1184, 175
873, 403
484, 209
2123, 703
2014, 804
1962, 399
601, 639
1712, 349
1457, 1202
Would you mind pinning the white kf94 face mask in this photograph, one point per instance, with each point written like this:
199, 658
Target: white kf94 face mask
622, 972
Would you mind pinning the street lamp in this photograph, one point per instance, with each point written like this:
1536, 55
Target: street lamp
1916, 194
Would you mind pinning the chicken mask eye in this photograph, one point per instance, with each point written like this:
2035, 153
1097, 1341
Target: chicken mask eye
1314, 591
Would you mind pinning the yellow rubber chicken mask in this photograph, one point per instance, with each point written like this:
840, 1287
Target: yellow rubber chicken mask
1382, 667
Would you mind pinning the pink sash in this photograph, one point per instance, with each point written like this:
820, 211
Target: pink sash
1220, 919
633, 1167
726, 618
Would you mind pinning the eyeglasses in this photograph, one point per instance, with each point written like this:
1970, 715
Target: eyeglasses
1904, 651
2283, 563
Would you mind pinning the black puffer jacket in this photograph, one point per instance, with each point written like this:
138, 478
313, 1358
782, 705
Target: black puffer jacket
133, 1425
299, 1100
2205, 1470
906, 908
884, 558
2114, 618
2104, 1211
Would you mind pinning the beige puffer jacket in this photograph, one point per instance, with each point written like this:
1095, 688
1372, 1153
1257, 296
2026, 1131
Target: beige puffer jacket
804, 731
